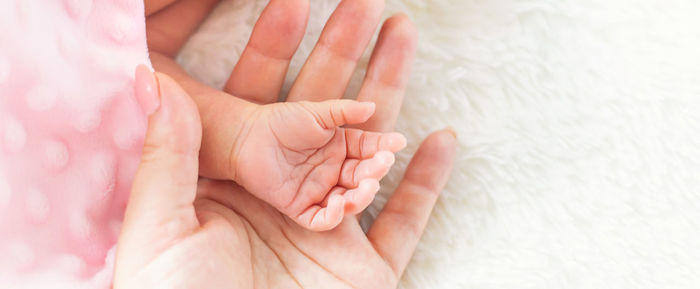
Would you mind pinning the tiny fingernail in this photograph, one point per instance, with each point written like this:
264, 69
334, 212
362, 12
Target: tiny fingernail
394, 141
452, 131
146, 89
403, 141
387, 158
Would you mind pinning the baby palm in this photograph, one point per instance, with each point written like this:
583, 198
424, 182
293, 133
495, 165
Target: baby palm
297, 158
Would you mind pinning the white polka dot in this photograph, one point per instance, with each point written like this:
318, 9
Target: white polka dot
111, 256
15, 136
88, 122
104, 61
56, 155
40, 98
78, 9
5, 193
37, 205
21, 255
81, 226
103, 168
121, 28
70, 264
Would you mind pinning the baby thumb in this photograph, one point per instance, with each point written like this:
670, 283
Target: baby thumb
165, 184
338, 112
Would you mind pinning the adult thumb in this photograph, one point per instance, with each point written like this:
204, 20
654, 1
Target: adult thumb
165, 184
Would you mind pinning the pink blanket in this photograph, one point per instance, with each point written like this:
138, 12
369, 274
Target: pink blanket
70, 137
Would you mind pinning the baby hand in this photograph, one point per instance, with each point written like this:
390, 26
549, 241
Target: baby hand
296, 157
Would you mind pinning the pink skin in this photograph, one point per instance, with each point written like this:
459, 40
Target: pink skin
293, 155
184, 231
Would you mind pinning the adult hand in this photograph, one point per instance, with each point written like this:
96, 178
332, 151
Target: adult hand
181, 233
259, 74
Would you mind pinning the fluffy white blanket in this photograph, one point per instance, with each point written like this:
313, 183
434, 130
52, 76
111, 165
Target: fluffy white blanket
579, 127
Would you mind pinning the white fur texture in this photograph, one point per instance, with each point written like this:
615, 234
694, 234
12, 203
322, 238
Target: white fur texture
579, 128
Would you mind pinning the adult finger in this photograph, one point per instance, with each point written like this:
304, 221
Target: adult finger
168, 29
166, 181
259, 74
328, 69
388, 72
400, 224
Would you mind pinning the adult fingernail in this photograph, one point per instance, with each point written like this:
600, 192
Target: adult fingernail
369, 104
385, 158
146, 90
452, 132
403, 142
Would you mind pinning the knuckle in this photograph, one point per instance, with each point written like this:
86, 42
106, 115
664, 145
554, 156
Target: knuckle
153, 152
405, 223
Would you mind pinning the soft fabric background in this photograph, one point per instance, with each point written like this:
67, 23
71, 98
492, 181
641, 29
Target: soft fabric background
579, 128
